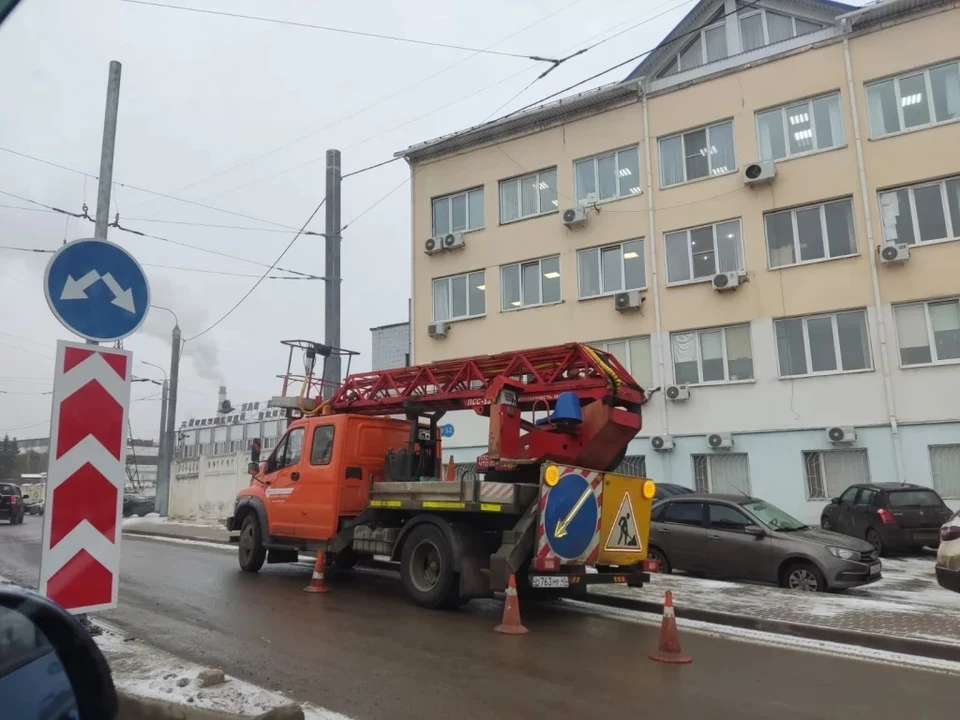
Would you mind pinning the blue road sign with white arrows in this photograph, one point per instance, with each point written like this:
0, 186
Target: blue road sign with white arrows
97, 290
570, 517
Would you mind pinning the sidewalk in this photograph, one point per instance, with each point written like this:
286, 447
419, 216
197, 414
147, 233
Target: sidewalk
158, 526
906, 611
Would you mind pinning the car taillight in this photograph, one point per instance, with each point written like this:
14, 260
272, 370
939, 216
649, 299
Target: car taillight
950, 532
886, 516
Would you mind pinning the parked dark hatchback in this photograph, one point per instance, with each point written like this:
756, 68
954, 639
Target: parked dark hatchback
889, 516
11, 503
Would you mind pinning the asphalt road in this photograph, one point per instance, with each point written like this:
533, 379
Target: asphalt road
364, 651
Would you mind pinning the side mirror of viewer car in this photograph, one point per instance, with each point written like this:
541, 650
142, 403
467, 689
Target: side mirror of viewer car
50, 667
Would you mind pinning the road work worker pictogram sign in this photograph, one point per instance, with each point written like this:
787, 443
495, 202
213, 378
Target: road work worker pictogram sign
624, 535
624, 521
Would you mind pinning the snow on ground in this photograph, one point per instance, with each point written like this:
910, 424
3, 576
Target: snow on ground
145, 671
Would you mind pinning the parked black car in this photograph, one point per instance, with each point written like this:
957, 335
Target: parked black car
889, 516
137, 505
11, 503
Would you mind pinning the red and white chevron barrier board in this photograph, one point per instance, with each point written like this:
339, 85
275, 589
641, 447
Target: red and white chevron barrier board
80, 564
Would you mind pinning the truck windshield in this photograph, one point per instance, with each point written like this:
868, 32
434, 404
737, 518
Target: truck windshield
773, 516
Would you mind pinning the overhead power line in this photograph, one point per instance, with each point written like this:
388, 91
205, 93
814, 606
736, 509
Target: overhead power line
344, 31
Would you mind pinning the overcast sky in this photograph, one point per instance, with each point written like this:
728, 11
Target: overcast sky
201, 94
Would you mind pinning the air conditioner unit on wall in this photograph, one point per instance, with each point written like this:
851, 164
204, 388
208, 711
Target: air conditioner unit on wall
575, 216
677, 393
453, 240
438, 330
629, 300
433, 245
726, 281
663, 443
895, 253
758, 173
720, 441
841, 434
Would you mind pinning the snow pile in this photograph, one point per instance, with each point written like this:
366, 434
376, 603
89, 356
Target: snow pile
148, 519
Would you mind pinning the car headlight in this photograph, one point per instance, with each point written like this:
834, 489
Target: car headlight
843, 553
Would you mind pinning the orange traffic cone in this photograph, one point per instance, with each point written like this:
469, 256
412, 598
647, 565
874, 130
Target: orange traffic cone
511, 624
669, 649
451, 473
317, 585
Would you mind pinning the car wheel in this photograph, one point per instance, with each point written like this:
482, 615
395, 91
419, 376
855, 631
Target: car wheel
826, 523
426, 568
873, 537
658, 555
804, 577
251, 551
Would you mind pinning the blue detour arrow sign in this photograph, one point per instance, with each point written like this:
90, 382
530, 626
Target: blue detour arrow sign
97, 290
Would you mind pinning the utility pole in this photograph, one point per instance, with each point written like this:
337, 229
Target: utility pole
169, 437
331, 305
106, 151
164, 456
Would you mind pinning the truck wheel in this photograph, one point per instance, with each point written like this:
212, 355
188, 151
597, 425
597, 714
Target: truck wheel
345, 559
251, 551
426, 568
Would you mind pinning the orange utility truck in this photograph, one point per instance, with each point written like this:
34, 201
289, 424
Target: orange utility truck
361, 473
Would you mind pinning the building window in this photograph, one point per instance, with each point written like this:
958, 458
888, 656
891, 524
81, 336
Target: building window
463, 211
696, 154
530, 284
634, 355
765, 27
800, 128
945, 467
914, 99
612, 269
807, 234
921, 213
528, 196
700, 253
633, 466
727, 473
608, 177
717, 355
708, 45
928, 333
459, 296
829, 472
823, 344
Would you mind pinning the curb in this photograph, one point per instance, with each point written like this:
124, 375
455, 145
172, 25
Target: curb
143, 532
887, 643
136, 707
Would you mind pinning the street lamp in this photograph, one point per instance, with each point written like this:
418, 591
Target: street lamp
169, 421
164, 457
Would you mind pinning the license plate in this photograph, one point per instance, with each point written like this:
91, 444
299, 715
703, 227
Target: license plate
549, 581
875, 569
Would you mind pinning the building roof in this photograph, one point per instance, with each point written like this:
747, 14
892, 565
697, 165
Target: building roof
391, 325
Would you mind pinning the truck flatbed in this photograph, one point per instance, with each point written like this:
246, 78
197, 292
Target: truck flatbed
466, 495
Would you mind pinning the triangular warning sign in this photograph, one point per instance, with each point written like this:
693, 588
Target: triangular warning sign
624, 535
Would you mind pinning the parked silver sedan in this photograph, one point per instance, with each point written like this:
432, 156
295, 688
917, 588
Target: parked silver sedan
743, 538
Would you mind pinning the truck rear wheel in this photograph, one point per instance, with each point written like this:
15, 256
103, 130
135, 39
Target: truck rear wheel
251, 551
426, 568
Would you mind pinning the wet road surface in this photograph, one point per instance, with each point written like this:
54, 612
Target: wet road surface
364, 651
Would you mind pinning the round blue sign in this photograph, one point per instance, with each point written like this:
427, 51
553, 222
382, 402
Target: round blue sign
446, 430
97, 290
570, 516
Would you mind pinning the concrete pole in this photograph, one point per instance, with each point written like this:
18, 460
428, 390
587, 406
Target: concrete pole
331, 310
163, 455
106, 151
163, 493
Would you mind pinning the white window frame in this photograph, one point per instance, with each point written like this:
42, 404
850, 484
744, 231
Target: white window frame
449, 280
710, 170
595, 159
766, 33
722, 329
519, 181
605, 346
823, 232
928, 88
706, 459
785, 124
520, 266
953, 227
931, 339
702, 38
716, 254
836, 344
466, 199
805, 458
623, 271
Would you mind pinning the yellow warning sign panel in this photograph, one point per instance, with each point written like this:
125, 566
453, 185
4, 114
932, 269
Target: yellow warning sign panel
624, 521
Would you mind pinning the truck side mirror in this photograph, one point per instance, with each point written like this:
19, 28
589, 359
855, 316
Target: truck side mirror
253, 468
255, 450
